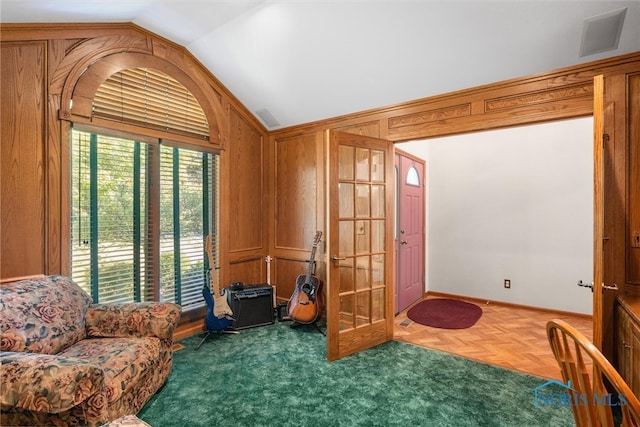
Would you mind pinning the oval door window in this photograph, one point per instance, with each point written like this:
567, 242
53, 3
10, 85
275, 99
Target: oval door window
412, 177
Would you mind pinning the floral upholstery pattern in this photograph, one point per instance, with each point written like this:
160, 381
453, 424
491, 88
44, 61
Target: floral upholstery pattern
75, 381
105, 320
127, 421
115, 357
42, 315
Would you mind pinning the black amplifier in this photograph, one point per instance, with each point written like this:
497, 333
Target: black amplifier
252, 306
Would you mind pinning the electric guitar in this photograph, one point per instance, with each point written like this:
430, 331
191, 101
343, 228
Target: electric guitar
219, 314
305, 305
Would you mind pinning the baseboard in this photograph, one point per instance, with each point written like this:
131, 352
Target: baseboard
506, 304
188, 329
196, 327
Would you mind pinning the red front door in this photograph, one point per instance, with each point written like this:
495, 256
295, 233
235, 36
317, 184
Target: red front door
410, 231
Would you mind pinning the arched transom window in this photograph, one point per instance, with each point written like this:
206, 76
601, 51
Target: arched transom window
412, 177
150, 98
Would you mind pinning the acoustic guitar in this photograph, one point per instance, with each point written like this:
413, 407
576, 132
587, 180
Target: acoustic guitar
305, 305
219, 314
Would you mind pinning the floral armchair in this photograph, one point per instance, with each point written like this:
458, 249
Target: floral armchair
66, 361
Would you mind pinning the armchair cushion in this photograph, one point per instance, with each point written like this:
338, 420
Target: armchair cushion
47, 383
132, 320
42, 315
125, 362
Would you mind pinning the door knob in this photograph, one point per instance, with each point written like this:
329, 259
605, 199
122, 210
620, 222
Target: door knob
336, 258
404, 242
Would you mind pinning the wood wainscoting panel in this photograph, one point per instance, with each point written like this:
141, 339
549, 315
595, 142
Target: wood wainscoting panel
250, 270
23, 186
286, 272
583, 90
430, 116
247, 197
296, 191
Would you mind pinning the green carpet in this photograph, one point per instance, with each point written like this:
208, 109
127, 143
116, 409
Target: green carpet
277, 376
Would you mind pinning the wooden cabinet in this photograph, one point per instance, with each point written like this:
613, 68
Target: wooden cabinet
633, 213
628, 342
627, 319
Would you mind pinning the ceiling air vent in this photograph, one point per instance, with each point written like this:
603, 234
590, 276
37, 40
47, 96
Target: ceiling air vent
267, 118
602, 32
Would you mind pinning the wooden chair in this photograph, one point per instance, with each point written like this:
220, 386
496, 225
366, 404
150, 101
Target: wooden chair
592, 377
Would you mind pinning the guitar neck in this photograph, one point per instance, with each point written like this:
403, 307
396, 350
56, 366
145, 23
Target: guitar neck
214, 283
212, 267
311, 262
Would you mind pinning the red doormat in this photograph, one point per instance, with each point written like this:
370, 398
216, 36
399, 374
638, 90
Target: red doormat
445, 313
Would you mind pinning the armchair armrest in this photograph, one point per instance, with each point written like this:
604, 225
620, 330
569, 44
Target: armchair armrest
133, 319
47, 383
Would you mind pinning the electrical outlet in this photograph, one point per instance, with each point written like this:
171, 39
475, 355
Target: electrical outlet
507, 283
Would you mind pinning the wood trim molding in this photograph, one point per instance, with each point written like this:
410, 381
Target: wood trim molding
97, 59
560, 94
429, 116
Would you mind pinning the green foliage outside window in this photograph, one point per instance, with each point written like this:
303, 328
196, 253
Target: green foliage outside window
139, 224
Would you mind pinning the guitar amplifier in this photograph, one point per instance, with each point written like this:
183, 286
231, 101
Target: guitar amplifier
252, 306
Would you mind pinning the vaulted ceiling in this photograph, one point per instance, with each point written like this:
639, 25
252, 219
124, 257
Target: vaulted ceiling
299, 61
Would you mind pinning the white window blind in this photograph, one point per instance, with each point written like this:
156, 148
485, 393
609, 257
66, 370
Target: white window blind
134, 241
186, 178
150, 98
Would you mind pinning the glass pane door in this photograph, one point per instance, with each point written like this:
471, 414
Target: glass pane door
361, 222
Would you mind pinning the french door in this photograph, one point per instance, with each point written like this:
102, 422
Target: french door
360, 268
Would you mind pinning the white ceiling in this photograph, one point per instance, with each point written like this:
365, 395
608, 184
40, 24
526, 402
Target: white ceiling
309, 60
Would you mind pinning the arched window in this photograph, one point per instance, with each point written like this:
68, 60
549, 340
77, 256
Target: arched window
412, 177
142, 205
150, 98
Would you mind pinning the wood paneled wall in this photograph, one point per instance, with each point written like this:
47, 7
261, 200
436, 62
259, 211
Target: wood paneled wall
297, 170
296, 189
633, 205
273, 184
44, 67
23, 187
561, 94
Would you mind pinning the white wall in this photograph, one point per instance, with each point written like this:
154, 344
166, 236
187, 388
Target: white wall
511, 204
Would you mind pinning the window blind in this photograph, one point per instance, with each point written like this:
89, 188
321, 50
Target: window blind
122, 250
186, 178
150, 98
109, 196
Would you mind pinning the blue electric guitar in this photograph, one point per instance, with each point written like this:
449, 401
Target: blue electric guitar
219, 314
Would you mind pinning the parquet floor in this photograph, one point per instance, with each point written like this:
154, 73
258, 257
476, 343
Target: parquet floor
506, 336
